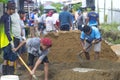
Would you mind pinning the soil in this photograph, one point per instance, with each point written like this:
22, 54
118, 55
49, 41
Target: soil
64, 58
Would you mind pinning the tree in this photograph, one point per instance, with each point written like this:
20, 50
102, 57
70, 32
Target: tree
4, 1
41, 8
77, 6
57, 6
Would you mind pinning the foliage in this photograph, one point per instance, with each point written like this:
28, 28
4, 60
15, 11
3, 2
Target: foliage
41, 8
111, 33
57, 6
76, 7
4, 1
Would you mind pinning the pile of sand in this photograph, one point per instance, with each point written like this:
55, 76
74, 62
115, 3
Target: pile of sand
66, 46
63, 59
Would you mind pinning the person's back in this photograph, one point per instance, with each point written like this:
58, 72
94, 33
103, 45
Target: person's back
65, 20
93, 16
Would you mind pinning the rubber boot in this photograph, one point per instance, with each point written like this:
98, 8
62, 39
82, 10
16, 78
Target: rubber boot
11, 70
4, 69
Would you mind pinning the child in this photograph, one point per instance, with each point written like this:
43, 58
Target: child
37, 48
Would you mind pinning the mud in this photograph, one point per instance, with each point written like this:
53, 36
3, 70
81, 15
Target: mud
63, 59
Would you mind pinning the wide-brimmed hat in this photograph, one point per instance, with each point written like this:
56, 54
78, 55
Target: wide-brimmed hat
11, 5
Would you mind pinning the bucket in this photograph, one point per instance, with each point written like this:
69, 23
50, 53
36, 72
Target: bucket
9, 77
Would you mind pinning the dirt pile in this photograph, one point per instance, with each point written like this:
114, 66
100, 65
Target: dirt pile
66, 46
63, 59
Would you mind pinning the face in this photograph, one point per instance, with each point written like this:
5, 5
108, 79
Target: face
22, 16
11, 11
42, 47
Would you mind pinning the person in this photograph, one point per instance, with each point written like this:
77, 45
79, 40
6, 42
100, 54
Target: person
91, 36
55, 17
80, 20
6, 40
16, 31
22, 25
93, 18
37, 48
65, 19
23, 34
42, 22
32, 22
50, 22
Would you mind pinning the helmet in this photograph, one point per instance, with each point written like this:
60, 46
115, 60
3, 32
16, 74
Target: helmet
46, 42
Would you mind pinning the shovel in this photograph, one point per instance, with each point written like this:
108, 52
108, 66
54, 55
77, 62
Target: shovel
81, 52
26, 66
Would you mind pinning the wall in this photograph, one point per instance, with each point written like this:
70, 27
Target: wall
111, 10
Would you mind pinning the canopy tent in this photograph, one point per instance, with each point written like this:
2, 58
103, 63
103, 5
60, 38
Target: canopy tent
49, 7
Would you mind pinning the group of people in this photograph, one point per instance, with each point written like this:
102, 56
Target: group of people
12, 35
12, 38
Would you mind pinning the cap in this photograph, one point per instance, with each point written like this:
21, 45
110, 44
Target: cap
46, 42
86, 29
21, 12
11, 5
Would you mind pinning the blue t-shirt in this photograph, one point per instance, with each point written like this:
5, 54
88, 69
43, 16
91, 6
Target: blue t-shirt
93, 16
65, 18
95, 34
31, 21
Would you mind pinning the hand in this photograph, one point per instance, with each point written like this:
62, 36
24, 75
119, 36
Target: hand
84, 49
32, 72
93, 42
12, 44
14, 49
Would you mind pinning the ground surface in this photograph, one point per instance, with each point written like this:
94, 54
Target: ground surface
66, 65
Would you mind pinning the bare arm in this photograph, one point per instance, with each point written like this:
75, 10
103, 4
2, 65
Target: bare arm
36, 65
20, 45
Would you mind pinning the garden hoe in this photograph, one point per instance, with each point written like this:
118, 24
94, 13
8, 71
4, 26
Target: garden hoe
26, 66
82, 52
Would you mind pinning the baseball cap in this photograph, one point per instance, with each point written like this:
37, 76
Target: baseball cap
46, 42
11, 5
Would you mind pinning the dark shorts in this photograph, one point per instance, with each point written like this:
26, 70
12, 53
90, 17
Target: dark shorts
31, 59
80, 27
16, 43
65, 27
8, 54
41, 26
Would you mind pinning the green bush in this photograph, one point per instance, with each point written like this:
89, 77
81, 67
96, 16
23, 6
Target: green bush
111, 33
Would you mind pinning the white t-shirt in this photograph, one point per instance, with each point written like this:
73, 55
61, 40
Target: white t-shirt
55, 17
42, 19
50, 24
22, 25
16, 29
